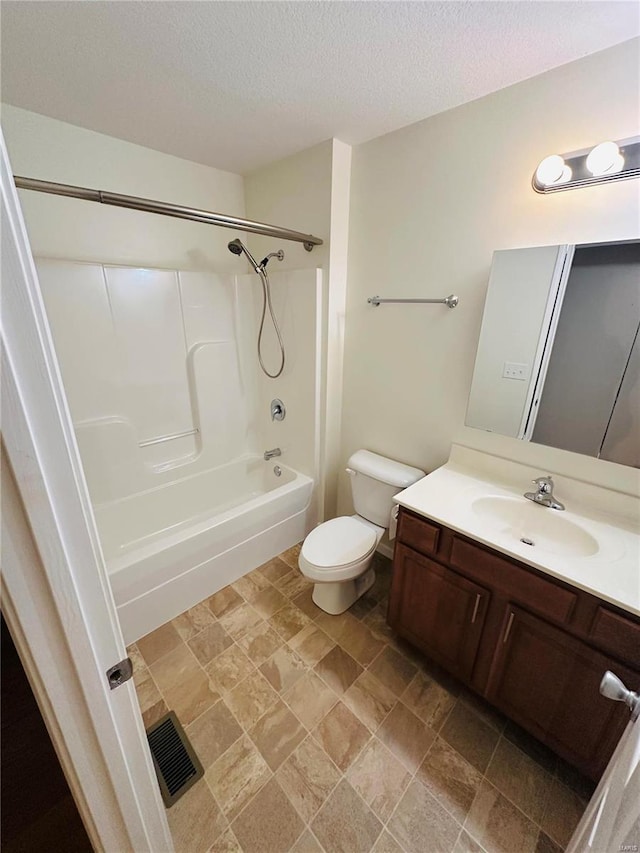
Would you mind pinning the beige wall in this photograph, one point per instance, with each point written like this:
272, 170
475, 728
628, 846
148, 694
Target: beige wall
293, 193
309, 192
429, 204
41, 147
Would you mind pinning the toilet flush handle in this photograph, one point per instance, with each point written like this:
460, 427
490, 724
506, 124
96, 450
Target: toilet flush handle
351, 472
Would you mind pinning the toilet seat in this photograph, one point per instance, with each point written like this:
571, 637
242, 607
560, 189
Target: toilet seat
336, 549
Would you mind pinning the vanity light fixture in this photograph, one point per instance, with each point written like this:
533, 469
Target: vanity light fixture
605, 162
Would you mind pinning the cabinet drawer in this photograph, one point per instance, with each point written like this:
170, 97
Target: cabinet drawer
616, 634
418, 533
516, 583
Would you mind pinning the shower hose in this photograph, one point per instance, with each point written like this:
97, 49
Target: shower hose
266, 302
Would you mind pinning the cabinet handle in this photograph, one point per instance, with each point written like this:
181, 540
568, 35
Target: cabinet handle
475, 609
509, 624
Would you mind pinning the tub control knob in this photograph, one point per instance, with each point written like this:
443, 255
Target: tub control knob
278, 410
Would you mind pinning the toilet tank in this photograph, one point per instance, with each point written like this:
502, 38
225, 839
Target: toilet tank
374, 481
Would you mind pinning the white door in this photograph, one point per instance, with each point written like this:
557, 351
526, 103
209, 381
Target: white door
611, 821
55, 591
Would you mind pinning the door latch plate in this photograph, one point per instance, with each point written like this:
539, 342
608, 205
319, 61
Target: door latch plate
119, 673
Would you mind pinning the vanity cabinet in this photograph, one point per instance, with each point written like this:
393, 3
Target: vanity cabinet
439, 610
547, 681
533, 646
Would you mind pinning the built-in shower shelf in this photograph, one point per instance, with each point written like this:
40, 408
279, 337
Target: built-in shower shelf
169, 437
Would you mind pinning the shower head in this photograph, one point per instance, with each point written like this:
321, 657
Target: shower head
237, 247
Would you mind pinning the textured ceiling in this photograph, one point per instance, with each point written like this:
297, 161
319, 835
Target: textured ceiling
239, 84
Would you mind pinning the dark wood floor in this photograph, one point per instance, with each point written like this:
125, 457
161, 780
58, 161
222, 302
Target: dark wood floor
38, 811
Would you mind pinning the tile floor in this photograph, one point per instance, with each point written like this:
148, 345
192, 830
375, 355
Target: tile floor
329, 733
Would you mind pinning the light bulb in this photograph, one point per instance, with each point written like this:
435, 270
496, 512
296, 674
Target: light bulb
616, 166
553, 170
565, 176
550, 169
605, 159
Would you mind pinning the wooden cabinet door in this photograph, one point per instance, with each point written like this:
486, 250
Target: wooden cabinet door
438, 610
548, 682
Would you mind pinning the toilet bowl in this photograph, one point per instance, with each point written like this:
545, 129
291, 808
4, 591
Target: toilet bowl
337, 555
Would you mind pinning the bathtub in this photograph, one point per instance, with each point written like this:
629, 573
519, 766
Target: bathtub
170, 547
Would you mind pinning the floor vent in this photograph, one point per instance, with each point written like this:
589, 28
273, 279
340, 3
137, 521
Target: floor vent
177, 766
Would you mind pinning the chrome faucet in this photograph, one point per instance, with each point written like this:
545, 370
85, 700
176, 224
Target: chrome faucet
544, 495
269, 454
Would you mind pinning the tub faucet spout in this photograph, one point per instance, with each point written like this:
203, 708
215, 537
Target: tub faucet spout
269, 454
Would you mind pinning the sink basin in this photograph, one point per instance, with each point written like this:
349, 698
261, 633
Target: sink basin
536, 526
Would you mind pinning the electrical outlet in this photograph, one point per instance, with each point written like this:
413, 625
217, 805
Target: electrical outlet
513, 370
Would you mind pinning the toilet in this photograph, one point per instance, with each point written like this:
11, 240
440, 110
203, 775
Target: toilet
337, 555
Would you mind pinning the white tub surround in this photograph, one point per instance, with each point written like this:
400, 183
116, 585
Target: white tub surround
161, 373
594, 544
158, 369
172, 418
176, 545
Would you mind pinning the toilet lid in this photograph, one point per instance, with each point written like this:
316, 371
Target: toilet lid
338, 542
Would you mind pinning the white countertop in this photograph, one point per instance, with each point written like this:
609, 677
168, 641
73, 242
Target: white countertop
612, 573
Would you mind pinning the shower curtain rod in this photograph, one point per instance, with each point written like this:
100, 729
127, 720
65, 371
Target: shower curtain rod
165, 209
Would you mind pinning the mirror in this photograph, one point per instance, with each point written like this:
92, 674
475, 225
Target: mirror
558, 359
